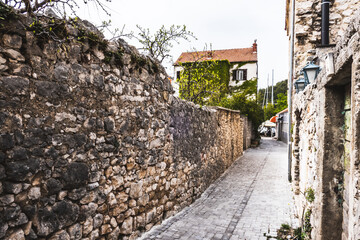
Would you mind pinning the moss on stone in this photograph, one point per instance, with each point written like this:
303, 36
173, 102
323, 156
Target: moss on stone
310, 195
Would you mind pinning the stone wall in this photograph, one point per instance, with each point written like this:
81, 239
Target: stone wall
247, 133
326, 138
93, 145
308, 27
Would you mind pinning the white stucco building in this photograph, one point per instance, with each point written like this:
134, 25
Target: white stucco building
243, 62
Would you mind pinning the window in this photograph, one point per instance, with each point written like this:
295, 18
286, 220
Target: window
240, 74
177, 74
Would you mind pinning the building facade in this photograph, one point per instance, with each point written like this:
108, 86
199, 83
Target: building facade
242, 63
282, 126
326, 119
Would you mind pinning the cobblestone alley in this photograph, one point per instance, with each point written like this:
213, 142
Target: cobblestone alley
252, 199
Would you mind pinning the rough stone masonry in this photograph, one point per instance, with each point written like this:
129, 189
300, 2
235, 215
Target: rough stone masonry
93, 145
326, 117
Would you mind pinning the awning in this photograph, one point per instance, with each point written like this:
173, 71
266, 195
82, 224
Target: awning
273, 119
269, 124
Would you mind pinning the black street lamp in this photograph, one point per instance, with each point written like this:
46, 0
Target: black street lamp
311, 71
300, 85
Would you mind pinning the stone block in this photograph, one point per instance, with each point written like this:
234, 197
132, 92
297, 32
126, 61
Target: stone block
98, 220
61, 72
127, 226
34, 193
12, 41
20, 220
114, 235
105, 229
15, 85
75, 232
77, 175
11, 53
17, 235
60, 235
62, 214
150, 215
117, 181
11, 187
136, 189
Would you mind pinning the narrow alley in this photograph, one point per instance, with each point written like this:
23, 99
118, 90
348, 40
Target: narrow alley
249, 201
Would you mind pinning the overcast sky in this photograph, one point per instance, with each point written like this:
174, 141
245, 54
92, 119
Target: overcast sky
224, 24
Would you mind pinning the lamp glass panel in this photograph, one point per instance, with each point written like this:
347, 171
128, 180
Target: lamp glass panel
301, 86
311, 74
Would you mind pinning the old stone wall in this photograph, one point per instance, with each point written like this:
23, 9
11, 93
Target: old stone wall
247, 133
92, 143
308, 27
326, 139
307, 153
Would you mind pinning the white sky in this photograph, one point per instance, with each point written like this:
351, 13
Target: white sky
224, 24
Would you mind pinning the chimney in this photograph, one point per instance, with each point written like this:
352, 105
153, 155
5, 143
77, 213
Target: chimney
255, 46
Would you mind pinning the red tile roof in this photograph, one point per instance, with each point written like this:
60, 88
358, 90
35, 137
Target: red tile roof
232, 55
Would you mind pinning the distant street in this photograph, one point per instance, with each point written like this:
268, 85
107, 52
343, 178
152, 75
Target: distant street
250, 201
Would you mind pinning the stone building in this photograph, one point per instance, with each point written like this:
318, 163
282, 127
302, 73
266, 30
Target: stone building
325, 119
282, 122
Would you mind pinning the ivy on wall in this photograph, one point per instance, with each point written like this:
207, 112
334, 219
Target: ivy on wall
204, 82
207, 83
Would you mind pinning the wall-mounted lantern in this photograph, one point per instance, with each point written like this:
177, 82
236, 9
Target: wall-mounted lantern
311, 71
300, 85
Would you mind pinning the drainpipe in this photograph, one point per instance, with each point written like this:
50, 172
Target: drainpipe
325, 5
290, 86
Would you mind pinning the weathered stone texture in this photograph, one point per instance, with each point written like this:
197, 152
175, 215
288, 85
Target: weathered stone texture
92, 142
326, 138
308, 27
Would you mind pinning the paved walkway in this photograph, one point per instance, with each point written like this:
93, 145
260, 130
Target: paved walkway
252, 199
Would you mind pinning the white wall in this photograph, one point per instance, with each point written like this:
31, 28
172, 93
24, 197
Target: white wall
251, 73
175, 84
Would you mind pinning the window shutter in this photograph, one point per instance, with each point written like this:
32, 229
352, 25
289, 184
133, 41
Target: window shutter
245, 74
234, 75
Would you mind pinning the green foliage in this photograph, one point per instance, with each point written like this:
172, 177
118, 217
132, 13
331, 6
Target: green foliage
248, 88
280, 99
283, 232
310, 195
246, 103
6, 12
52, 28
269, 111
307, 225
280, 87
92, 38
140, 62
280, 104
304, 232
339, 189
204, 82
114, 57
299, 234
285, 226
